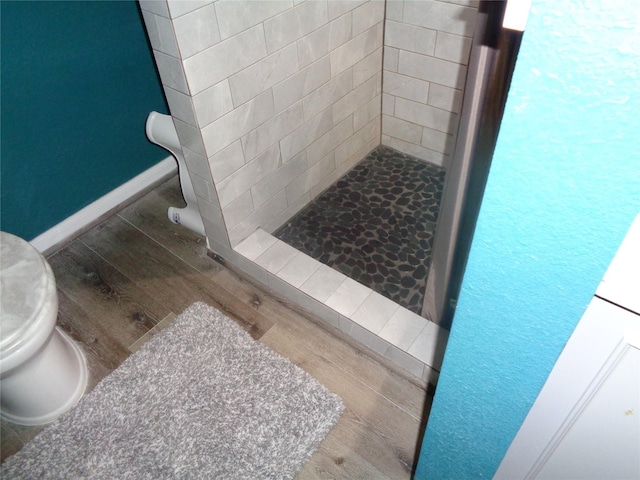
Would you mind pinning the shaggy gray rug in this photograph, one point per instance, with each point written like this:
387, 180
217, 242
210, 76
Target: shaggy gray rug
201, 399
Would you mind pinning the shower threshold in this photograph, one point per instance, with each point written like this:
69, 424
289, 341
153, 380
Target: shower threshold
373, 318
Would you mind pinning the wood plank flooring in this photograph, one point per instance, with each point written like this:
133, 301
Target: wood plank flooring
129, 276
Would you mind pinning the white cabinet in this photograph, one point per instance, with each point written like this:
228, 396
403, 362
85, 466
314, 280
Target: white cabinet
585, 423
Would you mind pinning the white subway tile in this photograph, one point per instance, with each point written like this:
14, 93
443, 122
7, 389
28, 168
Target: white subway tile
313, 46
356, 49
285, 215
306, 134
445, 98
189, 136
320, 42
407, 131
405, 361
326, 95
365, 150
403, 328
390, 58
204, 189
295, 23
276, 257
157, 7
180, 106
299, 269
338, 8
196, 31
367, 15
466, 3
272, 131
348, 297
438, 141
355, 99
440, 16
410, 37
217, 237
238, 210
209, 211
197, 164
326, 181
214, 226
297, 86
369, 339
329, 141
426, 115
406, 87
248, 175
229, 128
224, 59
171, 73
417, 151
432, 69
312, 306
262, 216
265, 189
249, 268
311, 177
160, 31
388, 104
430, 345
322, 283
340, 31
264, 74
375, 312
453, 48
367, 67
366, 113
323, 174
212, 103
178, 8
256, 244
236, 16
226, 161
356, 142
394, 10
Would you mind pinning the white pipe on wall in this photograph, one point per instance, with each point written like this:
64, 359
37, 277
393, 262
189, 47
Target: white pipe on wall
161, 131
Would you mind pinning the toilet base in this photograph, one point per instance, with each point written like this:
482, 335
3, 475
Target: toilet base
47, 385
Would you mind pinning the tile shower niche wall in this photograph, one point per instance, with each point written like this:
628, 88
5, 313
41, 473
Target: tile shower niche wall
275, 100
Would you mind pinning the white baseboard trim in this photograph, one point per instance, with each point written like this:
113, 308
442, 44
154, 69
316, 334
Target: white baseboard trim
97, 211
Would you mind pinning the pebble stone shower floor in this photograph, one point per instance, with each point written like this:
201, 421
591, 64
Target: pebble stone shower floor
376, 225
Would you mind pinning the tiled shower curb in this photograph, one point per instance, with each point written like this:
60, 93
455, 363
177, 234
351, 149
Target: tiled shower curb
406, 339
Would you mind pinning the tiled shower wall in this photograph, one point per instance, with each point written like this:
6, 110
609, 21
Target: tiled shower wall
275, 100
272, 100
426, 51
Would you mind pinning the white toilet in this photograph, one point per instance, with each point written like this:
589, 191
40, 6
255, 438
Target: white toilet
43, 373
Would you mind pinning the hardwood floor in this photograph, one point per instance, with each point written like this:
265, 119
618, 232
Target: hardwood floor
124, 279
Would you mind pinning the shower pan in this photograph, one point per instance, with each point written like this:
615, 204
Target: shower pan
274, 102
376, 225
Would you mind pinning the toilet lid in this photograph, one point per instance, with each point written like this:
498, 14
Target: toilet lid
26, 283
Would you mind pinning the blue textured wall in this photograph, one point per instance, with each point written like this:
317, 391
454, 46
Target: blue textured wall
563, 189
78, 81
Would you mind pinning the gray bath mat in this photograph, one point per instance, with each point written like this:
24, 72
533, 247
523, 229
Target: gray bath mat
201, 399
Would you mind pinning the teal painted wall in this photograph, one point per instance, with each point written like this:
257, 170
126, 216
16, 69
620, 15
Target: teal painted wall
77, 83
563, 189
